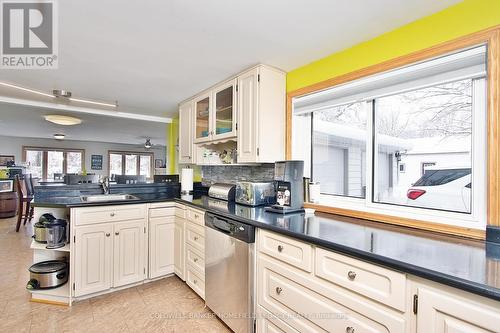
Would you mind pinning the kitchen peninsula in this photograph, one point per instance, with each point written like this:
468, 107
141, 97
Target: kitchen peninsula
407, 260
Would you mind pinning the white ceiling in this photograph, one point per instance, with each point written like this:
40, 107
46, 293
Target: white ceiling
24, 121
151, 54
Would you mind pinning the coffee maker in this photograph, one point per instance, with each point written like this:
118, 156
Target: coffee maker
288, 178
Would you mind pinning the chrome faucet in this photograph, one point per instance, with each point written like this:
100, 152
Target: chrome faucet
105, 184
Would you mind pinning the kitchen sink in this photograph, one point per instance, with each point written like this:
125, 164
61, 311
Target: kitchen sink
108, 197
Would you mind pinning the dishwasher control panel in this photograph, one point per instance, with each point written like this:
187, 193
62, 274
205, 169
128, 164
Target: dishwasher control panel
236, 229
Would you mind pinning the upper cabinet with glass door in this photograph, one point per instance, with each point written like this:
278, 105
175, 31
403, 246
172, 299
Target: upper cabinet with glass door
215, 114
203, 118
224, 117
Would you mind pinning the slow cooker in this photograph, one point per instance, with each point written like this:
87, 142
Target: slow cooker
48, 274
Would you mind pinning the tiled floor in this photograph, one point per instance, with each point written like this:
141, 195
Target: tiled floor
167, 305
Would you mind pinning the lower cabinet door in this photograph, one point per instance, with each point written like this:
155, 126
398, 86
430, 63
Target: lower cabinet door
161, 246
179, 248
128, 252
93, 258
439, 312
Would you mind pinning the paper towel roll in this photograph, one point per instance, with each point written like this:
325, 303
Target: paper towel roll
186, 180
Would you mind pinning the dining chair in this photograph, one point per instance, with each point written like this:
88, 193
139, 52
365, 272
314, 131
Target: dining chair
25, 191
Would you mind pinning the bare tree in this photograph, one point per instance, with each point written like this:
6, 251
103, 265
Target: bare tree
447, 107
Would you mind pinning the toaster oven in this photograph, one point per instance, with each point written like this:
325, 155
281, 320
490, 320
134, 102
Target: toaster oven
255, 193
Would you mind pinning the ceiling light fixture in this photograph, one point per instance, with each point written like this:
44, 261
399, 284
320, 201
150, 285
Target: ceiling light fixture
5, 84
63, 120
59, 136
67, 94
148, 144
61, 93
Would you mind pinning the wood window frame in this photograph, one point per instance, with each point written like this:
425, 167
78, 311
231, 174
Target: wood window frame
45, 151
489, 37
138, 164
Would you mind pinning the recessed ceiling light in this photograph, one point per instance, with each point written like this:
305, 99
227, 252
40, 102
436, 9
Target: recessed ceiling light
59, 136
63, 120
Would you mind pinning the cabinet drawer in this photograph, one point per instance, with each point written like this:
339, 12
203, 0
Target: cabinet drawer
180, 212
288, 250
195, 280
196, 216
195, 236
286, 296
162, 212
267, 323
375, 282
93, 215
194, 259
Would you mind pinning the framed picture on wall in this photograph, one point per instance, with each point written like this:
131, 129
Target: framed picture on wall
5, 159
96, 162
159, 163
6, 185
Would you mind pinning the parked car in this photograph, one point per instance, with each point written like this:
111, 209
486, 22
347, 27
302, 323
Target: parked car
446, 188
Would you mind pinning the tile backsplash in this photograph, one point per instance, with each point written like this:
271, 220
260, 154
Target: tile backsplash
231, 174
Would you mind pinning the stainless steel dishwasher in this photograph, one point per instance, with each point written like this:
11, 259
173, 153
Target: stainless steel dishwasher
229, 271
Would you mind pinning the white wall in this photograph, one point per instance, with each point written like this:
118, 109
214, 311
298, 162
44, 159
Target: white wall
14, 146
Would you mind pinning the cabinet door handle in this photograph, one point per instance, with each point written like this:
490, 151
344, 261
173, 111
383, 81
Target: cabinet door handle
349, 329
112, 214
195, 282
351, 275
195, 238
117, 233
280, 248
108, 234
195, 259
278, 290
196, 216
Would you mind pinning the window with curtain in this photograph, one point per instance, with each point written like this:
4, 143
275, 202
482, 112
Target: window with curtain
130, 163
409, 142
47, 163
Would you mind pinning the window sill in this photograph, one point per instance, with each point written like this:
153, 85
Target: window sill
402, 221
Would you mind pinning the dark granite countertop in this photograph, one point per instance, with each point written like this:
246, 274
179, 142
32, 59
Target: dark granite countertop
469, 265
73, 202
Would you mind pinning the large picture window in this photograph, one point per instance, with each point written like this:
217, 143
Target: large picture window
53, 163
410, 142
130, 163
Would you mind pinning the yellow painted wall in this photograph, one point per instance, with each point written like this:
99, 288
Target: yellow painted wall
172, 138
461, 19
172, 152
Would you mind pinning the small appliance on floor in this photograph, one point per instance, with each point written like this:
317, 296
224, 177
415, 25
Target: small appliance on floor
288, 178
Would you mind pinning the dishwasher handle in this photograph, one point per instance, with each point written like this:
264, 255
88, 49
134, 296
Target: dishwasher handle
222, 225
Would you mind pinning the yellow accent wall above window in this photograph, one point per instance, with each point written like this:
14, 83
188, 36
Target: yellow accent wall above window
461, 19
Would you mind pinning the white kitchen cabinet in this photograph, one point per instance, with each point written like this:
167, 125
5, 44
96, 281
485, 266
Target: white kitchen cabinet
203, 118
179, 248
186, 134
128, 255
93, 258
161, 246
261, 115
246, 112
442, 312
224, 113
